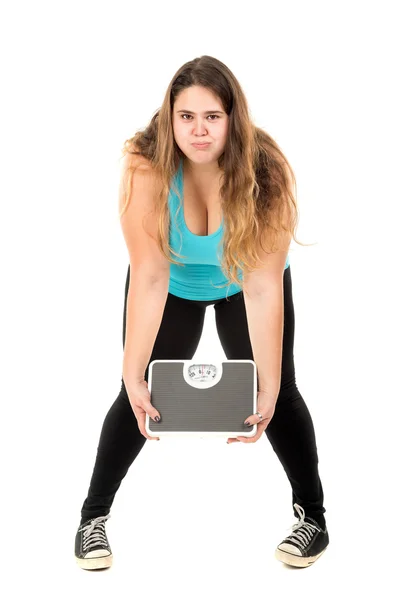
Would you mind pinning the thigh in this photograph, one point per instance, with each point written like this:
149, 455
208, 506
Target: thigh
233, 332
180, 329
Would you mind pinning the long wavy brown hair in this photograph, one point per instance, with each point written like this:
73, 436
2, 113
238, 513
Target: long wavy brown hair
258, 191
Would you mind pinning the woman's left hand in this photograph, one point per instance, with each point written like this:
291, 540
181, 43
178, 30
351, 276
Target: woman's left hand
266, 406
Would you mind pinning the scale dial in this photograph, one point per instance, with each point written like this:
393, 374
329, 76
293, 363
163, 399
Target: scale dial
202, 372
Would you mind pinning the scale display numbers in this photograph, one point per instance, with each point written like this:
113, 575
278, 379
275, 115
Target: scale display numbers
202, 372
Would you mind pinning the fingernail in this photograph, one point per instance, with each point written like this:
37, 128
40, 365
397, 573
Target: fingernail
157, 418
247, 423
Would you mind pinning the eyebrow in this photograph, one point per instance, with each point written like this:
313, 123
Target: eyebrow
207, 112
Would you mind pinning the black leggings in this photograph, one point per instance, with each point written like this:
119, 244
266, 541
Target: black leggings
291, 430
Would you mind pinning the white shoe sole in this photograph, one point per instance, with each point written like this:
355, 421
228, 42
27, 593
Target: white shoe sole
296, 561
100, 562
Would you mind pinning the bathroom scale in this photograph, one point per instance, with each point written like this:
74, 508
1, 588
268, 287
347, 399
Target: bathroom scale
197, 399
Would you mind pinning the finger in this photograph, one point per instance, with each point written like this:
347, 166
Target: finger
142, 429
255, 420
249, 440
252, 420
150, 410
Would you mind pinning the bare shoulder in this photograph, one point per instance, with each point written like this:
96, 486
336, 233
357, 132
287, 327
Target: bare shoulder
136, 161
139, 179
139, 220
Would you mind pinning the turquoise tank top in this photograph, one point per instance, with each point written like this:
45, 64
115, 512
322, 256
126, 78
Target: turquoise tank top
201, 270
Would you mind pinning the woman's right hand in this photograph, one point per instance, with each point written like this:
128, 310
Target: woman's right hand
139, 397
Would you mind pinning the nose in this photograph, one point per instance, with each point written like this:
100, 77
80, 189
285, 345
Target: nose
199, 127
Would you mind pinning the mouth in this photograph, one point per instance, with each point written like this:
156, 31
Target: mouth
201, 145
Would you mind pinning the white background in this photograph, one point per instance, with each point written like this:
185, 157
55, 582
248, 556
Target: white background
195, 519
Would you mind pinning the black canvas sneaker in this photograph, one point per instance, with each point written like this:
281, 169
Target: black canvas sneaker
305, 545
92, 550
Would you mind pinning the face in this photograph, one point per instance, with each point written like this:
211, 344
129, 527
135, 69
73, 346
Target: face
198, 116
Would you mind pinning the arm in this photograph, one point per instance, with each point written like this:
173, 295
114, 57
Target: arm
263, 297
265, 321
149, 268
144, 311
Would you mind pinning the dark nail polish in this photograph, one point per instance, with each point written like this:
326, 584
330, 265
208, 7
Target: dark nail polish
157, 418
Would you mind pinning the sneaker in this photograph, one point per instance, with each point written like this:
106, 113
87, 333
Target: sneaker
305, 545
92, 550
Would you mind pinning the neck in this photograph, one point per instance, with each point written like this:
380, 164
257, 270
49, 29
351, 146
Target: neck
201, 171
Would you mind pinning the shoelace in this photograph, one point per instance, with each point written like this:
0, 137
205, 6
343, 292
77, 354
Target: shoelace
94, 533
304, 530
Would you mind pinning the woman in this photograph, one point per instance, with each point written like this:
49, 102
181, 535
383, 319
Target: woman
202, 172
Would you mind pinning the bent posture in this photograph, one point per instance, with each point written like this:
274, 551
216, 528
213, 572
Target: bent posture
208, 211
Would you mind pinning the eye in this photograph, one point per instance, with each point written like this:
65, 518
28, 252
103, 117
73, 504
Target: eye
187, 115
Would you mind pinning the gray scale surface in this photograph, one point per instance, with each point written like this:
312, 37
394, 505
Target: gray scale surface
221, 408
